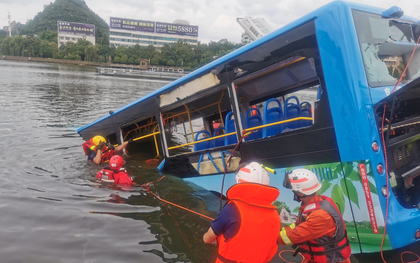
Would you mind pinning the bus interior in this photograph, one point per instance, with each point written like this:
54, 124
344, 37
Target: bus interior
276, 91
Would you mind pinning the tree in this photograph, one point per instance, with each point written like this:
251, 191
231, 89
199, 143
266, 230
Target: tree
124, 59
154, 61
170, 63
179, 63
131, 60
117, 60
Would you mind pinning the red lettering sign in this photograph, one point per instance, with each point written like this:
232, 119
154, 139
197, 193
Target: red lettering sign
369, 202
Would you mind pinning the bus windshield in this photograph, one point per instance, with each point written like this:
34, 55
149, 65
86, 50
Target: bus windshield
386, 45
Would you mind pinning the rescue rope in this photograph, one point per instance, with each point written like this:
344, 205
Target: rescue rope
145, 186
288, 260
386, 165
409, 252
244, 135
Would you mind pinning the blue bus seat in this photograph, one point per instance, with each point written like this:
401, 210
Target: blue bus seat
230, 127
305, 112
291, 111
202, 145
274, 114
253, 121
220, 141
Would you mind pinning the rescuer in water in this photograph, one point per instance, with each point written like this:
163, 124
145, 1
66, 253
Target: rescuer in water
320, 232
246, 229
115, 173
98, 151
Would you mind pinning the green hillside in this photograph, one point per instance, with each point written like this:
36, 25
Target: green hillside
70, 11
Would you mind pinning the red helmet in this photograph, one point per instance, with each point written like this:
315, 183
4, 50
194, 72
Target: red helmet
116, 162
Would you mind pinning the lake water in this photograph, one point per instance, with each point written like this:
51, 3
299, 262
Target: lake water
51, 208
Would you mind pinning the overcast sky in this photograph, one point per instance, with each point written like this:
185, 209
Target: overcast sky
216, 18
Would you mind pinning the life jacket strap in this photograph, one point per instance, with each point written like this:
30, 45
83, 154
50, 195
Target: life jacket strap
321, 253
225, 260
336, 241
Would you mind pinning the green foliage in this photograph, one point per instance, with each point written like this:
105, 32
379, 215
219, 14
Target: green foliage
124, 59
280, 205
131, 60
338, 197
154, 61
351, 192
170, 63
117, 60
325, 186
67, 10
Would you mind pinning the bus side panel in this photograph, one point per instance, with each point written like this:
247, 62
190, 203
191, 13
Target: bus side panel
358, 187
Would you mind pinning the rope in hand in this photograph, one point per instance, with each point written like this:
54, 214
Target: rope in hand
244, 135
386, 163
146, 186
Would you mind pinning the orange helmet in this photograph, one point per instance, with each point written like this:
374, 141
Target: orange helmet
116, 162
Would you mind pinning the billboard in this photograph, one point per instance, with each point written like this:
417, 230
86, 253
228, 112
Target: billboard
153, 27
131, 24
174, 29
75, 28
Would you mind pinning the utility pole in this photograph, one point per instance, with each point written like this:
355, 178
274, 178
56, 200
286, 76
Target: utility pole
10, 24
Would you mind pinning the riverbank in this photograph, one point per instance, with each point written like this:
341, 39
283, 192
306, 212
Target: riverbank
60, 61
77, 62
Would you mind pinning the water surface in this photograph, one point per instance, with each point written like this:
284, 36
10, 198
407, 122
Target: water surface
52, 210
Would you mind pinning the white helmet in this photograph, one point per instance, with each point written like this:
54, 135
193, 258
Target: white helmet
252, 173
302, 181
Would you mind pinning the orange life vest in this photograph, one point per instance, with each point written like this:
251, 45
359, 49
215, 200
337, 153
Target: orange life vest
325, 249
256, 240
111, 176
89, 147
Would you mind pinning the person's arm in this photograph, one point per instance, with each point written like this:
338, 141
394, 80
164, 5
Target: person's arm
209, 236
121, 147
318, 224
98, 157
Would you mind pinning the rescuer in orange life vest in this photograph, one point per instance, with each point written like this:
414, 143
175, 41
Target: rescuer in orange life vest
319, 233
246, 229
115, 173
98, 151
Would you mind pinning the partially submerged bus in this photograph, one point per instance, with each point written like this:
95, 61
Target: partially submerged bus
317, 93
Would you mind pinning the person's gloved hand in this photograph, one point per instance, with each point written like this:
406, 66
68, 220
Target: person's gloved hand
100, 146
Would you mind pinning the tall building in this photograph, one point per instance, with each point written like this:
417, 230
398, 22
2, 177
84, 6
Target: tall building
71, 32
130, 32
254, 27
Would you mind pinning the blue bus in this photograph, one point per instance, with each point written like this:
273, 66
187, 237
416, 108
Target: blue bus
317, 93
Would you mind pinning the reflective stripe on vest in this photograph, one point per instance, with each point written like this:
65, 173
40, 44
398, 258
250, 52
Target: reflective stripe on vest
328, 249
256, 240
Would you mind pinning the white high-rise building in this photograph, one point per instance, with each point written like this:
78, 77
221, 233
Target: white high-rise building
130, 32
254, 28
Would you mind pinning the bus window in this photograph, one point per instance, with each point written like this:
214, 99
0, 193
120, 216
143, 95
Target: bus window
386, 45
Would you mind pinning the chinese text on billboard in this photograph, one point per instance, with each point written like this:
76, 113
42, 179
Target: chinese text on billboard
130, 24
76, 28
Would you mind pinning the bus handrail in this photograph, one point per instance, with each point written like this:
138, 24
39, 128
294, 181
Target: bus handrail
248, 129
